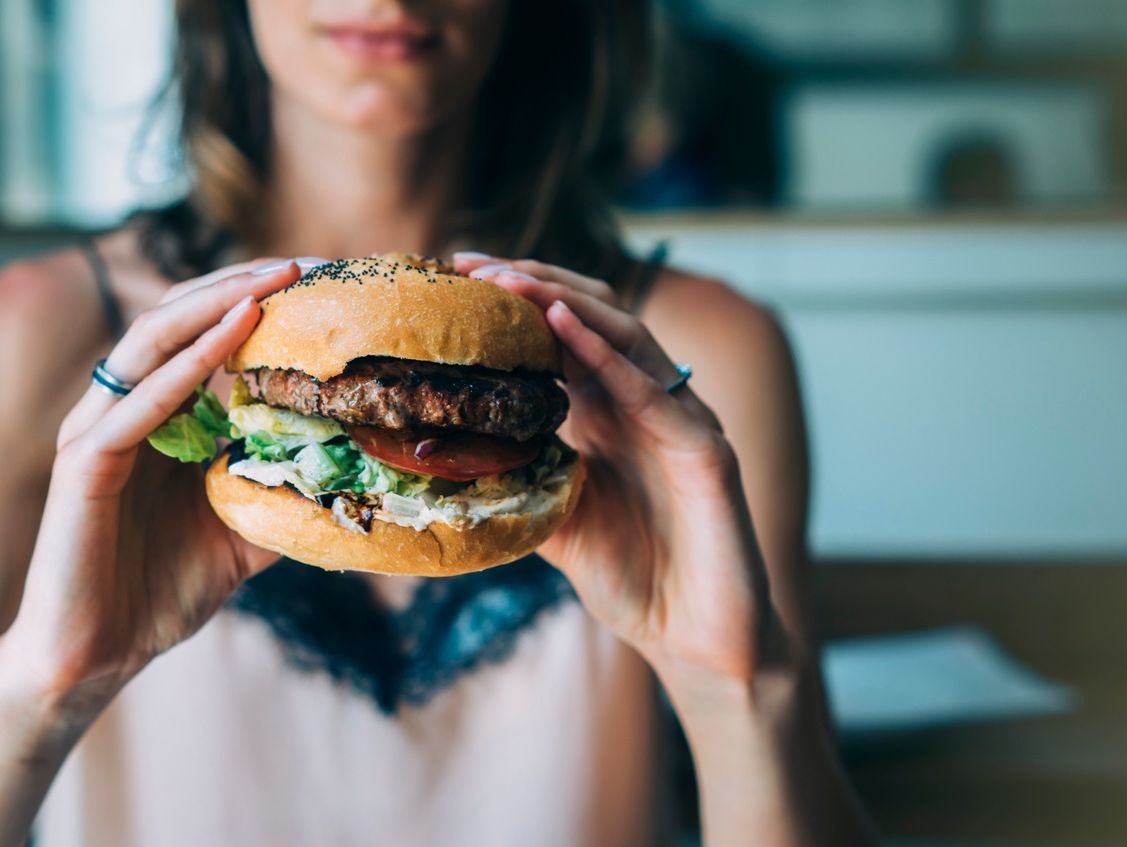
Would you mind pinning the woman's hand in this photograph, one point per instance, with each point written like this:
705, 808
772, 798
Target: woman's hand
661, 547
130, 558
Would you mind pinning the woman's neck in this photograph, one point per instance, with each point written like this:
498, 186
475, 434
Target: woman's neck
339, 192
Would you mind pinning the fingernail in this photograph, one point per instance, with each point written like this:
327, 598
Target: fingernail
307, 262
518, 275
486, 271
560, 304
272, 267
470, 256
237, 309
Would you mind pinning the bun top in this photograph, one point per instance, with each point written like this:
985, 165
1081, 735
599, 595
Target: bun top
397, 305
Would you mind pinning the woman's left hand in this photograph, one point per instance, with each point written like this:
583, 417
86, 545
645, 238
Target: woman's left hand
661, 547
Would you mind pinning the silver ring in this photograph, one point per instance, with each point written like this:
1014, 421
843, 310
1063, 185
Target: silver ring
108, 382
684, 374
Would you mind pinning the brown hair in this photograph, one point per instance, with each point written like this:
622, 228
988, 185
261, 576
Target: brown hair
546, 142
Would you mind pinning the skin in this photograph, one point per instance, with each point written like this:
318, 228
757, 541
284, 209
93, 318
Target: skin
713, 596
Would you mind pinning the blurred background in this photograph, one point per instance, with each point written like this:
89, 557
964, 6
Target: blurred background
931, 195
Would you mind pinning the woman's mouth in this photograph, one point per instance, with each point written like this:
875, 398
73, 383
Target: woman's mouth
401, 41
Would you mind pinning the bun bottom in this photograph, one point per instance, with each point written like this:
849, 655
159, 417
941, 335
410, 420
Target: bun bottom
282, 520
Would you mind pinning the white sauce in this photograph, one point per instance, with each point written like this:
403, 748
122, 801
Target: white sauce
459, 510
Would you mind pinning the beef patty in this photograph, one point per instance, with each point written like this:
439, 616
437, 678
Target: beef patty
406, 395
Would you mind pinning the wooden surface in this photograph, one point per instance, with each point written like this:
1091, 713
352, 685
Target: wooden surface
1059, 780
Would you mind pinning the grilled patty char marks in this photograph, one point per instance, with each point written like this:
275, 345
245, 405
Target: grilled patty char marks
406, 395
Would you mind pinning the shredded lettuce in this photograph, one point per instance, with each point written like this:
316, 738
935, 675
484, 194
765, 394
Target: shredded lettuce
376, 476
273, 474
315, 464
360, 473
329, 468
190, 437
262, 445
548, 460
318, 456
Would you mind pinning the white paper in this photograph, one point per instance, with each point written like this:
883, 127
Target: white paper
931, 678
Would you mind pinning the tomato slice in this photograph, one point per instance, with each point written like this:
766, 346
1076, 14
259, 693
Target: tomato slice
458, 456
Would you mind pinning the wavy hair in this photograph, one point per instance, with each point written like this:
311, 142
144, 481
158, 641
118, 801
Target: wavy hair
546, 142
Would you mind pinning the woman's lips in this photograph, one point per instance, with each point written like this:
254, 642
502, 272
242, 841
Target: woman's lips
387, 45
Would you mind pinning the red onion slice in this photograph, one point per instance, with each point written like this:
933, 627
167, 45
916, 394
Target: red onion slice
425, 447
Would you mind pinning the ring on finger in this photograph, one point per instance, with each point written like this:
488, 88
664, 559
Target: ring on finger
109, 383
684, 374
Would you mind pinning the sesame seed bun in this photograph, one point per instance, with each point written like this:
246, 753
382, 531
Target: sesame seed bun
401, 306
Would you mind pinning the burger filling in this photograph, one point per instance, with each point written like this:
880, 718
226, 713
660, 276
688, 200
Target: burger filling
392, 440
402, 395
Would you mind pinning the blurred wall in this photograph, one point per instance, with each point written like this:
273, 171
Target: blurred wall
966, 384
77, 79
119, 63
881, 144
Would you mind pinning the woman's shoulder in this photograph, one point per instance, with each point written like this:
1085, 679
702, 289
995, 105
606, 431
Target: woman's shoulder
45, 327
49, 311
44, 286
53, 318
692, 314
61, 287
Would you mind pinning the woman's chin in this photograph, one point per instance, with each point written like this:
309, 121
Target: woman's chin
391, 114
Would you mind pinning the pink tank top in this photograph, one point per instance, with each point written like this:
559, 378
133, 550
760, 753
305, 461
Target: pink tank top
224, 741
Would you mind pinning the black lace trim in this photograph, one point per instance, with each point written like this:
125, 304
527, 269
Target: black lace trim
332, 623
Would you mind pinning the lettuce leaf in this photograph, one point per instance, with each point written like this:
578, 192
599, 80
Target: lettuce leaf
190, 437
311, 453
211, 414
284, 427
240, 393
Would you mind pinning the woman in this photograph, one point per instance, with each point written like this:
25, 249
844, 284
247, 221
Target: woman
319, 708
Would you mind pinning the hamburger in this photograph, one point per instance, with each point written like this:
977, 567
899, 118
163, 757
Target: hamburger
390, 415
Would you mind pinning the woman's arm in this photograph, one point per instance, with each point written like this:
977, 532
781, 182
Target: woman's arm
767, 768
39, 732
129, 560
775, 731
49, 320
662, 549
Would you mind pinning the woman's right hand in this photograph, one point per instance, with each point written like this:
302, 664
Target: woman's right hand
130, 559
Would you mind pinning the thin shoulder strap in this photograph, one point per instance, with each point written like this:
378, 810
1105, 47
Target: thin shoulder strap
110, 307
646, 275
